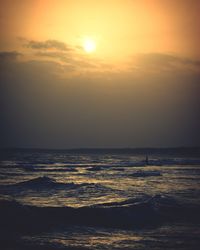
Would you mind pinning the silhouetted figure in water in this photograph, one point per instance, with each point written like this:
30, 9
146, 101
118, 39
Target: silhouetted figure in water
147, 160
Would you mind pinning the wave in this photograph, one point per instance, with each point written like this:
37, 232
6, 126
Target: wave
46, 183
39, 169
129, 214
146, 174
39, 182
95, 167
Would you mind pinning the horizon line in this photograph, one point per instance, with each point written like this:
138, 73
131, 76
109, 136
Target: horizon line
99, 148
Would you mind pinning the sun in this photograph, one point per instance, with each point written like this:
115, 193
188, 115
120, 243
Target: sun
89, 45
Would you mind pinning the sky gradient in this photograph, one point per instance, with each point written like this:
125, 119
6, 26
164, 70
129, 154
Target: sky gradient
139, 88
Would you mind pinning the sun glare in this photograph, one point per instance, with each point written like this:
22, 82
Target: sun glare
89, 45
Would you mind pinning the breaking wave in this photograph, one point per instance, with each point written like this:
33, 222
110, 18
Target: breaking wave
46, 183
129, 214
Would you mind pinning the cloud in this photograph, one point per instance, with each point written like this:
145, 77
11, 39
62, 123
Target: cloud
141, 64
11, 66
161, 61
9, 55
54, 54
60, 52
48, 44
76, 60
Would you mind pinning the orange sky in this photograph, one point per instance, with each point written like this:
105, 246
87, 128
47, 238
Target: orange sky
121, 27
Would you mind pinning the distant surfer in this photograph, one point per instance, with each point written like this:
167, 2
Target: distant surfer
147, 160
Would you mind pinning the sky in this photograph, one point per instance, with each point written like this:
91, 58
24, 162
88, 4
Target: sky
85, 73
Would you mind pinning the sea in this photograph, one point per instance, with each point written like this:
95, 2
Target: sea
100, 199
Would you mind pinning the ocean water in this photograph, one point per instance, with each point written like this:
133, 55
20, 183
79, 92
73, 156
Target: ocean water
100, 199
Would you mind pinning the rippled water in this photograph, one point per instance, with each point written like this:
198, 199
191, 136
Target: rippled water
119, 200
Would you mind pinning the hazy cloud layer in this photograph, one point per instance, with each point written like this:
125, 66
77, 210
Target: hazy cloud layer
9, 55
161, 61
141, 63
76, 61
39, 108
61, 52
165, 59
48, 44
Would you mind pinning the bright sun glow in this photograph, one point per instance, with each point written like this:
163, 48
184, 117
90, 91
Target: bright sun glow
89, 45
